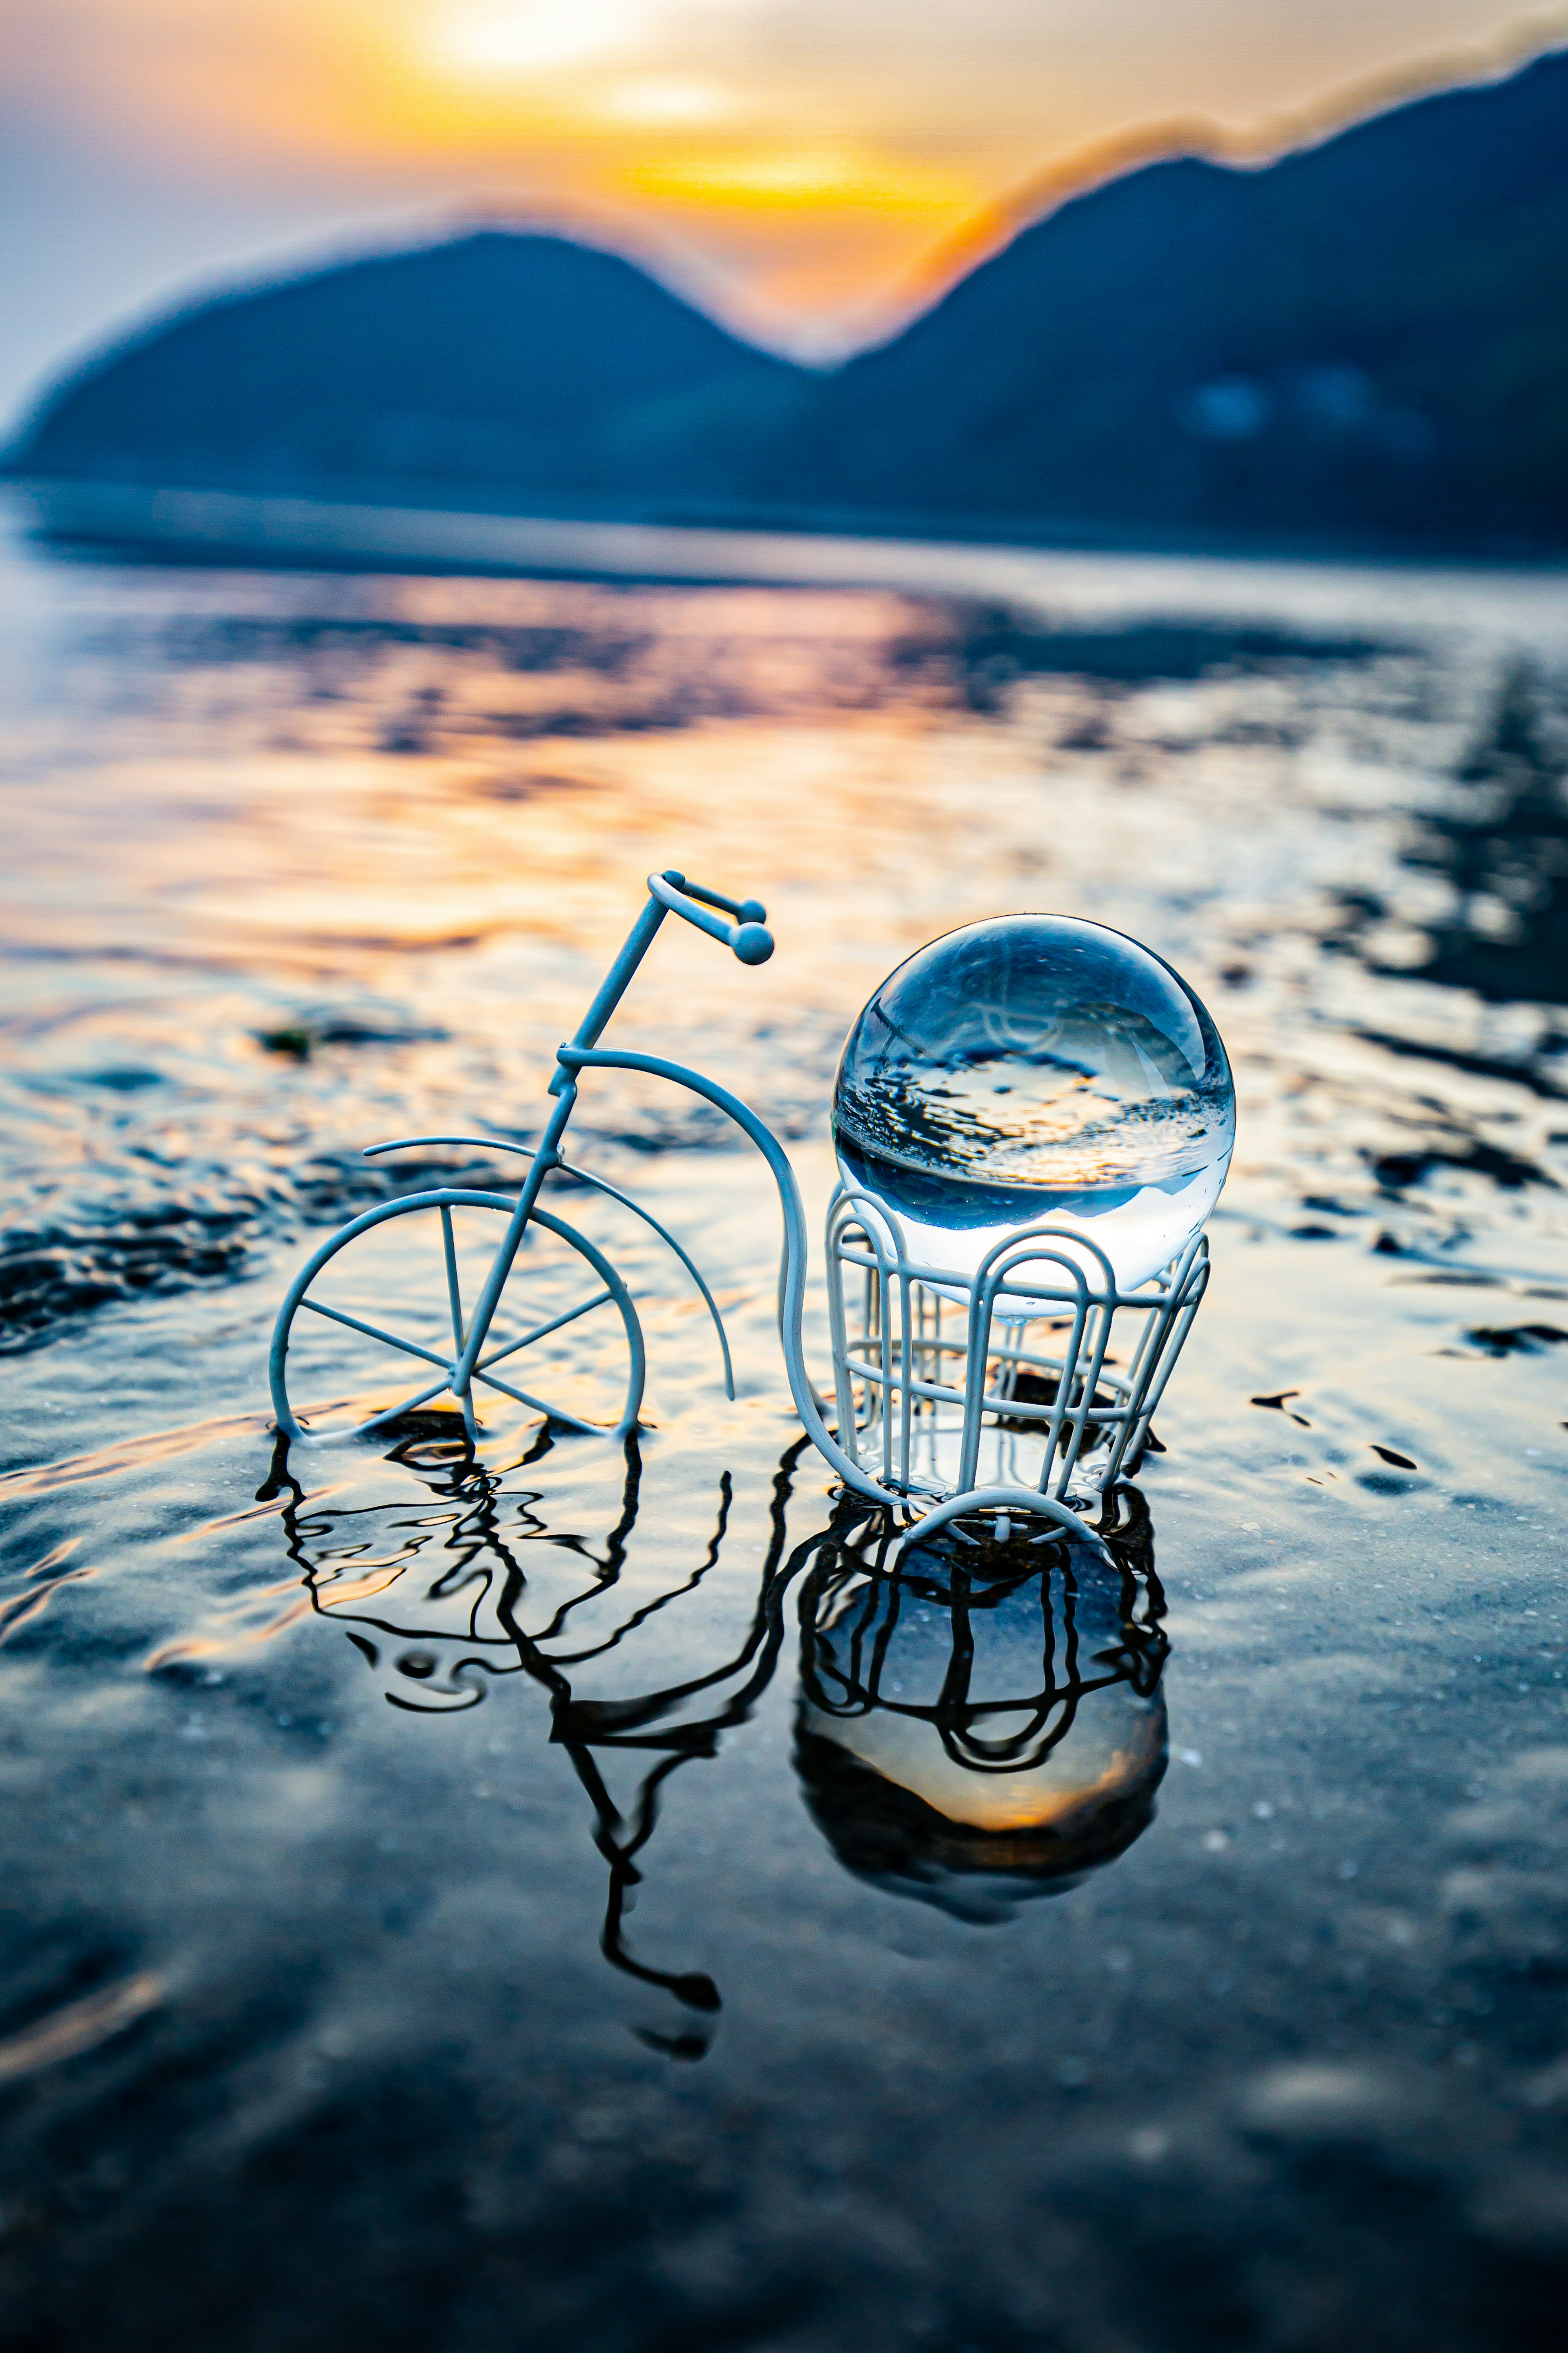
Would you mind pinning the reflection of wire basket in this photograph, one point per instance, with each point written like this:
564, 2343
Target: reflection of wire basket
945, 1399
850, 1618
983, 1724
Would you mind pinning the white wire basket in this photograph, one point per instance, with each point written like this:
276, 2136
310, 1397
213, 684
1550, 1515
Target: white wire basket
955, 1405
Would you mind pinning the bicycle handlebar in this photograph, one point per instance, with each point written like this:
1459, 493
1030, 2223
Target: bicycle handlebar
746, 936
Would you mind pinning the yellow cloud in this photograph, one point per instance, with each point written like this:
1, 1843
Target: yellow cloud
806, 176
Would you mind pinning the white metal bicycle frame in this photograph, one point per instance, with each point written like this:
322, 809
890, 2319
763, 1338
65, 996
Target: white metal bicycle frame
890, 1393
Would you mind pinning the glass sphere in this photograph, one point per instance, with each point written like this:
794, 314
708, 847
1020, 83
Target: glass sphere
1032, 1070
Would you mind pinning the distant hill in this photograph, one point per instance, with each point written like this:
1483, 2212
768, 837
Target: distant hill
511, 365
1369, 337
1363, 344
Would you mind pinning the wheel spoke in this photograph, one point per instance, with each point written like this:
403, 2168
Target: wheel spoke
541, 1332
374, 1332
538, 1405
453, 1295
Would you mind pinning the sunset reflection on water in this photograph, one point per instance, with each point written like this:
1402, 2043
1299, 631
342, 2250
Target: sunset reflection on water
302, 861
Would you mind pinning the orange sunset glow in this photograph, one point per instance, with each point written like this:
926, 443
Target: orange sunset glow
806, 169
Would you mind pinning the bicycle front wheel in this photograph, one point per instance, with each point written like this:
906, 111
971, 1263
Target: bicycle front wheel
375, 1322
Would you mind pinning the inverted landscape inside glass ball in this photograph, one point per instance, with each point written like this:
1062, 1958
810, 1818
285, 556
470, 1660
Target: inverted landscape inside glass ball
1034, 1070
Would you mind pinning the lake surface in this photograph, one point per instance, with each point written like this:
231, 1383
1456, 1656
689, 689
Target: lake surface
550, 1896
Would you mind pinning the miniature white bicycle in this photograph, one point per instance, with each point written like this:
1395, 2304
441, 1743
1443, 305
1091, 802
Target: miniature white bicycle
464, 1282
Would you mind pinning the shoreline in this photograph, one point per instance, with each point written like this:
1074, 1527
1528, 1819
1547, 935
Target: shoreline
438, 517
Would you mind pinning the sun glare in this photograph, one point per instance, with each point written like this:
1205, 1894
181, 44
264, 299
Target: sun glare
503, 38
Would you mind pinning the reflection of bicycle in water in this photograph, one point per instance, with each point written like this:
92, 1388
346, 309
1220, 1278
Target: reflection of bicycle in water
447, 1601
982, 1725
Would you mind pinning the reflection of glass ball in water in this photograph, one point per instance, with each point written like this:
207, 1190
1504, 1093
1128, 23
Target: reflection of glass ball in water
977, 1759
1031, 1069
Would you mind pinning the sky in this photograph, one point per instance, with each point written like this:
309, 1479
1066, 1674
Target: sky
808, 168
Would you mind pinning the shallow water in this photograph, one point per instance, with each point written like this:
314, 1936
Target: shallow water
557, 1897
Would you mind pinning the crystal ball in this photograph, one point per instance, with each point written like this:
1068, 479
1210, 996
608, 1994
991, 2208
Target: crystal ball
1031, 1069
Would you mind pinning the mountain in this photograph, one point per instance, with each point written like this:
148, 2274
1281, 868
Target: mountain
1369, 337
1363, 344
510, 366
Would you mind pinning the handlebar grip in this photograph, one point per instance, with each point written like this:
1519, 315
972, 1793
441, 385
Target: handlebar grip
745, 936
